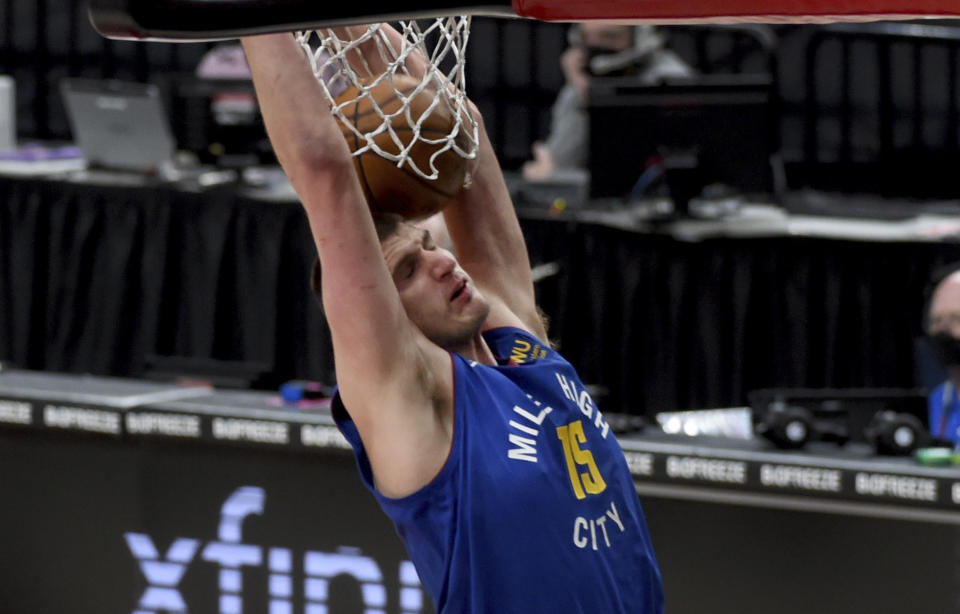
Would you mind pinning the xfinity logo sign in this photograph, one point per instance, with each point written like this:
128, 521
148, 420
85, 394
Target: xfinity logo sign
163, 571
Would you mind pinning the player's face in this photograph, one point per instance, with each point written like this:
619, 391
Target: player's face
945, 307
439, 297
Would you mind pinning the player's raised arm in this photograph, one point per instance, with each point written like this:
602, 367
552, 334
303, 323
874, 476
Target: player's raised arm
309, 146
486, 234
481, 219
393, 381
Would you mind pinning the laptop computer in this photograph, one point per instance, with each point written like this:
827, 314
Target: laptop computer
118, 125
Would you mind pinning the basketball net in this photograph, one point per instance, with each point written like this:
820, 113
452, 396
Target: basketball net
442, 46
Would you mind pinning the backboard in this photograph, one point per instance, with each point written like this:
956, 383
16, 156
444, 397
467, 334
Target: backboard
186, 20
198, 20
711, 11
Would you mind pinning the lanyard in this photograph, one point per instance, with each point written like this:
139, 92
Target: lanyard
946, 407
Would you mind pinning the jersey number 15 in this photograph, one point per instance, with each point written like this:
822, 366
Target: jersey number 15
587, 482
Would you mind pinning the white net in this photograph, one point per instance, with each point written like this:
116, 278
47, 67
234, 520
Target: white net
423, 67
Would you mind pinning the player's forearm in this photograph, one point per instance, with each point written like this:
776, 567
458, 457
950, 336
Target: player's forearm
488, 240
302, 131
366, 58
482, 219
312, 151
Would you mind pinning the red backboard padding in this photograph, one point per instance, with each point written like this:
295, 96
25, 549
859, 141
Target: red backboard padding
767, 11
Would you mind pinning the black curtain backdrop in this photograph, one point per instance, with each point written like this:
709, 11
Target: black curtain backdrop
666, 324
93, 279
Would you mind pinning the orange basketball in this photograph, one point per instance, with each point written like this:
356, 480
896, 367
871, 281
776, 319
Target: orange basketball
393, 189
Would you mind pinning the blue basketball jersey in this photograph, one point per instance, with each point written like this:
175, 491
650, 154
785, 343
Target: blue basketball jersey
535, 509
944, 412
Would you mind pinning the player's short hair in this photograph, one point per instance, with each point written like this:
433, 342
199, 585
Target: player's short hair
386, 225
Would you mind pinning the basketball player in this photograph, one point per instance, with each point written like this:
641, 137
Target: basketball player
505, 483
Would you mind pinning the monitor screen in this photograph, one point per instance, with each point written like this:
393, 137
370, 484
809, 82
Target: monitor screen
714, 130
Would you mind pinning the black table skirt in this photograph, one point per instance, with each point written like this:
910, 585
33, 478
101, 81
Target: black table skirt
94, 279
670, 324
97, 278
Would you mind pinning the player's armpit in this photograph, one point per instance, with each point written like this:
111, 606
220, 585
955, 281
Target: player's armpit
405, 420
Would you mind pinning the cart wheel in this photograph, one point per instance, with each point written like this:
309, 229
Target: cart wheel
789, 427
896, 434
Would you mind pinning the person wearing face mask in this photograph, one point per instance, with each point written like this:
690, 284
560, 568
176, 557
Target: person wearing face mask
596, 50
943, 331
